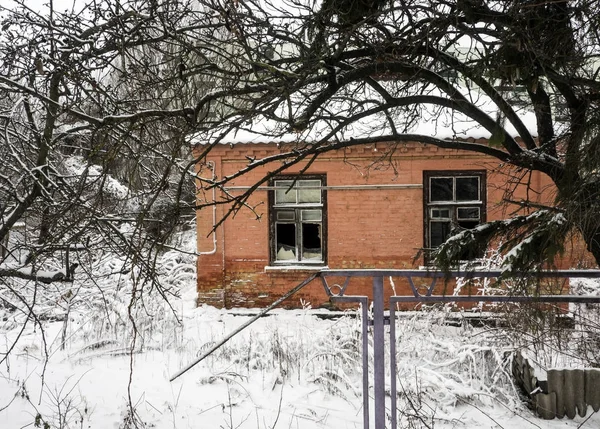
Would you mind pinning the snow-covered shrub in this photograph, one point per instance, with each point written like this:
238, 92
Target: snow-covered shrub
451, 365
295, 352
107, 301
586, 318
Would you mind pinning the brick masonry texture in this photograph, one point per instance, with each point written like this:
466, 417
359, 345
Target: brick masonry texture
374, 228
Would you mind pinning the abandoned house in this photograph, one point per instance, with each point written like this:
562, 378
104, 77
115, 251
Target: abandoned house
382, 205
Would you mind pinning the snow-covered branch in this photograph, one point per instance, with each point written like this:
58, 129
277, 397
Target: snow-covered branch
42, 276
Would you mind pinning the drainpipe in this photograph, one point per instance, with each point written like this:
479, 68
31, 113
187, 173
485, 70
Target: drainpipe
211, 166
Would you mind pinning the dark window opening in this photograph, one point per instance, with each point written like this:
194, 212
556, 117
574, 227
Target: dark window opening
286, 241
311, 241
463, 224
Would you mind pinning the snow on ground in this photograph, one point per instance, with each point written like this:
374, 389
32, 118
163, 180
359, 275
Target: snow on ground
289, 370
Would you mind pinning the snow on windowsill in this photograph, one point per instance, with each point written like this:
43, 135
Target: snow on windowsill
295, 268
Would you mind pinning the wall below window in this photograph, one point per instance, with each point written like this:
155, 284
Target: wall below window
368, 226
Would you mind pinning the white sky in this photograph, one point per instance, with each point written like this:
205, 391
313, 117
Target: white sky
44, 5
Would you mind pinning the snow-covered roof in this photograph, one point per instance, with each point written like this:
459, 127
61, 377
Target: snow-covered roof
432, 121
268, 131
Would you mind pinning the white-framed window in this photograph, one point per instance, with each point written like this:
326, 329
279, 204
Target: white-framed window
297, 220
454, 200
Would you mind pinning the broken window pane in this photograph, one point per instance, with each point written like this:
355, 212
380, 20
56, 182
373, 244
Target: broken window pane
285, 195
297, 216
441, 189
468, 224
439, 232
285, 236
311, 241
312, 195
467, 189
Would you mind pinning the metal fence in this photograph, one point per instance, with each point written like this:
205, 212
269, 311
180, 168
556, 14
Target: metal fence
339, 293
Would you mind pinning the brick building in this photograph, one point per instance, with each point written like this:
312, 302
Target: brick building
363, 207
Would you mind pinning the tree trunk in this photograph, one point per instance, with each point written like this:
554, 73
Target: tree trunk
579, 199
591, 237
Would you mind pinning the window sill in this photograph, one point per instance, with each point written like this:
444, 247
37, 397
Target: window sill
285, 268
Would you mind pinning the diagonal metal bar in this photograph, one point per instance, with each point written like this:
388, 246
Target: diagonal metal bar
326, 287
245, 325
432, 286
345, 286
329, 289
412, 286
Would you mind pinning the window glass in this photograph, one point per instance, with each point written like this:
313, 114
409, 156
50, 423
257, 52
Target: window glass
311, 195
467, 213
440, 213
442, 189
439, 232
467, 189
285, 194
286, 215
311, 215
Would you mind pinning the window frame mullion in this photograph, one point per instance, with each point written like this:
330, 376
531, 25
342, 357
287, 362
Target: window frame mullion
299, 251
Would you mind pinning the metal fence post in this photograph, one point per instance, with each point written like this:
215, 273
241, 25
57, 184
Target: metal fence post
365, 360
378, 353
393, 368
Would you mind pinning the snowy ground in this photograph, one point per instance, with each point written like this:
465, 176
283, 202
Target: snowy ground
289, 370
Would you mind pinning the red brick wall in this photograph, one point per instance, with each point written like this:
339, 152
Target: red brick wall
375, 228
